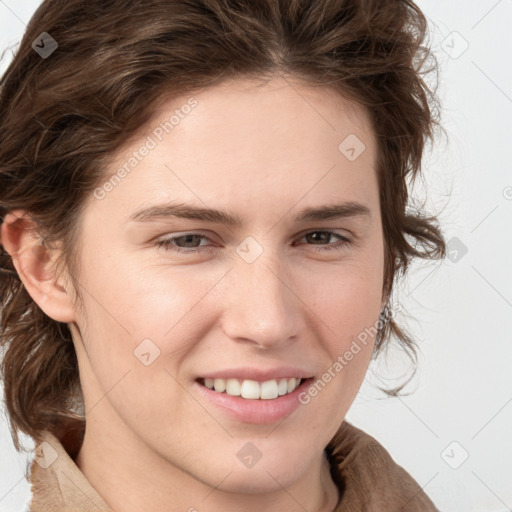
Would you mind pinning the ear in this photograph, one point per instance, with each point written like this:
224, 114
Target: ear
35, 264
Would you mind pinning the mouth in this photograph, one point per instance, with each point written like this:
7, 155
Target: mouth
252, 389
253, 401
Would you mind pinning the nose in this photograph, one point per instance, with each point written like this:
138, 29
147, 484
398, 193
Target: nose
261, 306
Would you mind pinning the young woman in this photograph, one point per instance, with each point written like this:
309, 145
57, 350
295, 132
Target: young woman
204, 210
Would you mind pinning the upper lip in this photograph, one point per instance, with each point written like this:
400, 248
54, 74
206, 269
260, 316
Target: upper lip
257, 374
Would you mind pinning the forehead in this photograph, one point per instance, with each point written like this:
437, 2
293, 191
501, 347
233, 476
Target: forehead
250, 143
273, 111
257, 117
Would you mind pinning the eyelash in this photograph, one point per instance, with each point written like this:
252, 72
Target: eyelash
168, 244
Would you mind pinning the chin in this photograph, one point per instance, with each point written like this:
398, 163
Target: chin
257, 481
272, 472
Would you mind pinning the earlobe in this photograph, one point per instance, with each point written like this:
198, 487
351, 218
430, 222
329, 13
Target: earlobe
35, 265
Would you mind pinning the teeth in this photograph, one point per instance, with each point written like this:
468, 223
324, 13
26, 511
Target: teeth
233, 387
249, 389
269, 389
252, 389
282, 388
219, 385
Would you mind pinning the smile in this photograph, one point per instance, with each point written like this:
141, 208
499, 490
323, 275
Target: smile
252, 389
252, 401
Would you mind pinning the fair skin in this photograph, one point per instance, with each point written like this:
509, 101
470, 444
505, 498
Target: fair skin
264, 153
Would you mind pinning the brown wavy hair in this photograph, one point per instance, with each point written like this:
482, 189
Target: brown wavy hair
63, 117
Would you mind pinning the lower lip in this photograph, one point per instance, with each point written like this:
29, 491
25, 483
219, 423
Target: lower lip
258, 411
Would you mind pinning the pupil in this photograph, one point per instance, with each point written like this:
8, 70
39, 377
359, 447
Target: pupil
188, 239
317, 236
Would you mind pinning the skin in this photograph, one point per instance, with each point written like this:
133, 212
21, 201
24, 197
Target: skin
263, 152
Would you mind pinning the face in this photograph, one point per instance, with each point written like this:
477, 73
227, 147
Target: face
172, 297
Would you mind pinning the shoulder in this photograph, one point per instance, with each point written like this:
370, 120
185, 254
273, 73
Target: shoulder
369, 478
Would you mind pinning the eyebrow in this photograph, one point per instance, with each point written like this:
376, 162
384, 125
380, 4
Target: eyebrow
335, 211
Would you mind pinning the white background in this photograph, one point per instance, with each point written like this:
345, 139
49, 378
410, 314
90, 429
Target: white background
460, 311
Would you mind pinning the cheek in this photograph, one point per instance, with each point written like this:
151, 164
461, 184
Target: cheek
126, 306
347, 298
348, 305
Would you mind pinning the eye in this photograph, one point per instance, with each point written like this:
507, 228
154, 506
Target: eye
188, 240
325, 236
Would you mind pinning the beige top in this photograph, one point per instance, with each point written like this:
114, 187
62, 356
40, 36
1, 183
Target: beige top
367, 477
